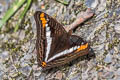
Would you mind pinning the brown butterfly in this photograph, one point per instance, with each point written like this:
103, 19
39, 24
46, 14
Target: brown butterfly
54, 45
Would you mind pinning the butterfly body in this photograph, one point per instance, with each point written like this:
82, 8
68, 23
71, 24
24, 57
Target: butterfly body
54, 45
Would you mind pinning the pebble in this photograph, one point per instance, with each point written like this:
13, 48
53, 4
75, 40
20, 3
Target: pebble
59, 75
84, 76
101, 32
42, 77
108, 58
117, 28
108, 75
22, 34
91, 3
1, 74
76, 77
118, 72
102, 5
3, 7
26, 70
33, 25
4, 55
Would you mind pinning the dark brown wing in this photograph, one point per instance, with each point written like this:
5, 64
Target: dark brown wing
58, 35
74, 40
60, 41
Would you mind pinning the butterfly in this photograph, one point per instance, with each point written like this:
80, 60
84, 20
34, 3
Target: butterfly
55, 46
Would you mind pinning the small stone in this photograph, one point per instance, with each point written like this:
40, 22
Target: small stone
32, 20
118, 72
116, 49
108, 75
14, 74
1, 74
107, 46
34, 67
91, 3
102, 37
84, 76
42, 78
3, 7
59, 75
26, 70
117, 28
76, 77
4, 55
22, 35
102, 5
108, 58
118, 78
117, 65
37, 71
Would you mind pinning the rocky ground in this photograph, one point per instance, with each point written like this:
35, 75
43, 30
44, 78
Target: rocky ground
17, 49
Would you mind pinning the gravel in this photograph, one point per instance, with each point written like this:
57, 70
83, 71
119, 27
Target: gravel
18, 59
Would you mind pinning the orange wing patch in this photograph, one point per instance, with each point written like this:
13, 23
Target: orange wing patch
82, 47
43, 64
42, 18
42, 15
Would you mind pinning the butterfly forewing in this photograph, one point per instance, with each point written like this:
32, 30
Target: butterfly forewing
54, 30
54, 45
40, 38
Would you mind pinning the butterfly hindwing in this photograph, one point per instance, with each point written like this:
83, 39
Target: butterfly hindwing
74, 41
54, 45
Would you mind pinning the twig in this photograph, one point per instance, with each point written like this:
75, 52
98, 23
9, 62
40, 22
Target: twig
82, 17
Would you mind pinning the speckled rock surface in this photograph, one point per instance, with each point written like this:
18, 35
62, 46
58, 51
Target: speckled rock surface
17, 50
